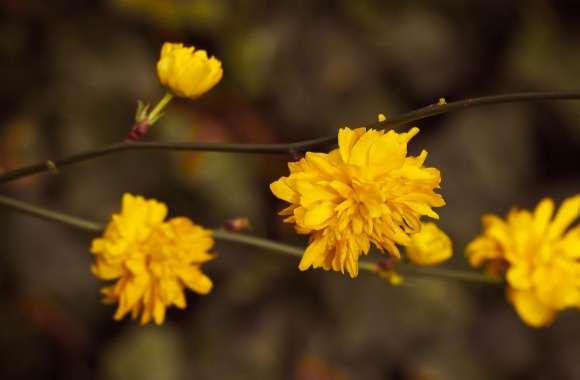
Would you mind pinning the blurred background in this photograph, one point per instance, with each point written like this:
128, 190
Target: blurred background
71, 73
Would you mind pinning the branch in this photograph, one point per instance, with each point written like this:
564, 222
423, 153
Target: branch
289, 148
51, 165
69, 220
406, 269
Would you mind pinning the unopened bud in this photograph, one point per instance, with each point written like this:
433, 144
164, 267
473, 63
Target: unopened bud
237, 224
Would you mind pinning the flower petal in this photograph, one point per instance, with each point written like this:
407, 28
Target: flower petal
530, 309
568, 213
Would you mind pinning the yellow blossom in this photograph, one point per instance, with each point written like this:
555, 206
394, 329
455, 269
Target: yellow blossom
150, 259
367, 191
429, 246
539, 257
187, 72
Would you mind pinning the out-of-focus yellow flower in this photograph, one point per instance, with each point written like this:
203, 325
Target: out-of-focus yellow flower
430, 246
366, 191
187, 72
152, 260
540, 258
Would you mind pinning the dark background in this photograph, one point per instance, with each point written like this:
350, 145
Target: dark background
71, 73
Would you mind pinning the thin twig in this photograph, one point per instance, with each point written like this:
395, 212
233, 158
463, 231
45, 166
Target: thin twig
274, 246
289, 148
69, 220
452, 274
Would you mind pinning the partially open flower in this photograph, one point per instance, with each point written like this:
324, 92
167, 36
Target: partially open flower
368, 191
430, 246
539, 257
187, 72
150, 259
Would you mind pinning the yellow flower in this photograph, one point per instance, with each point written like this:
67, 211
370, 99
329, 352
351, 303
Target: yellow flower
366, 191
150, 259
540, 258
187, 72
429, 246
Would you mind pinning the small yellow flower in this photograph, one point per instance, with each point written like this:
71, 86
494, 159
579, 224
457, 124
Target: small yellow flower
429, 246
540, 258
187, 72
150, 259
365, 192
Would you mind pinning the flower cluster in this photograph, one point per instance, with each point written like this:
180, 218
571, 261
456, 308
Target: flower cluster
367, 191
150, 259
539, 256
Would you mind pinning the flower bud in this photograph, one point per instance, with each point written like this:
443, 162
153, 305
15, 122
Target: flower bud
187, 72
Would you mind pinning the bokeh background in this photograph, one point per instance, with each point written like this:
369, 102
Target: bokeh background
71, 73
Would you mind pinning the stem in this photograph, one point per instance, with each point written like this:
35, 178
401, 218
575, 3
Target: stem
290, 148
413, 270
405, 269
438, 109
252, 241
119, 147
153, 115
280, 248
257, 242
69, 220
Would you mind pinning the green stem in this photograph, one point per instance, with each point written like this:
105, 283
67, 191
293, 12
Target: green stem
413, 270
251, 241
154, 114
290, 148
69, 220
275, 247
405, 269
